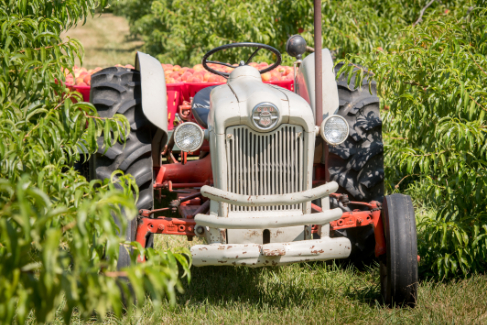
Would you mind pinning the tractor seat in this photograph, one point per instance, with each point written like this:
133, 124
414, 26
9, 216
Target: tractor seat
201, 106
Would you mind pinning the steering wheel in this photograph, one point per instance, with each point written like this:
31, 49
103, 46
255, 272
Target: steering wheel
243, 44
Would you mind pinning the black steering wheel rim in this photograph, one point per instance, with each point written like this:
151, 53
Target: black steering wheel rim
241, 44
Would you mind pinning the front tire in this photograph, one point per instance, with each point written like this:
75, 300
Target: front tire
399, 266
117, 90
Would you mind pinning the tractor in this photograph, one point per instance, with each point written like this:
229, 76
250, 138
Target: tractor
275, 176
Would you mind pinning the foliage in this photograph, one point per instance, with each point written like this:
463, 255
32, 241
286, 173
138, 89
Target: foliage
431, 74
58, 236
433, 81
180, 32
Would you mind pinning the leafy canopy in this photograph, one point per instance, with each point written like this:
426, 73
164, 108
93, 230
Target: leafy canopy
58, 236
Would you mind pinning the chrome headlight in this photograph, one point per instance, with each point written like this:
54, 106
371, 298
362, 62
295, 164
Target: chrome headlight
189, 137
265, 116
334, 129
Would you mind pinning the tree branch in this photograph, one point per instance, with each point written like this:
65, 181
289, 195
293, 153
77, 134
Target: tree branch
420, 19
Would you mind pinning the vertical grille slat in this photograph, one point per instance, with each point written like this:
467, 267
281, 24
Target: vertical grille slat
265, 163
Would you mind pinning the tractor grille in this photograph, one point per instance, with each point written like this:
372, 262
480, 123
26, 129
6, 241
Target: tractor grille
265, 163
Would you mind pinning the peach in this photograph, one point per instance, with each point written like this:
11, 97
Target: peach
198, 67
275, 73
196, 78
266, 76
207, 76
78, 81
186, 76
213, 78
82, 84
200, 73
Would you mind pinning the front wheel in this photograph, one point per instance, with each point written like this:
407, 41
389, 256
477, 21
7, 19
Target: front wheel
399, 266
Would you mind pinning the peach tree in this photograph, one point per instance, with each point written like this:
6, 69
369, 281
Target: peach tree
433, 79
59, 241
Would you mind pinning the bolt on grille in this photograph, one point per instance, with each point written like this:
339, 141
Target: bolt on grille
265, 163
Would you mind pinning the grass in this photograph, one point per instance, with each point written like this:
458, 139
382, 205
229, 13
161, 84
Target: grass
106, 41
306, 293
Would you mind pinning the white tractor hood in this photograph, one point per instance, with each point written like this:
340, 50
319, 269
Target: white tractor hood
231, 104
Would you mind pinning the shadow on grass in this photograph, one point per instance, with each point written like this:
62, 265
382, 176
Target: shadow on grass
275, 286
224, 285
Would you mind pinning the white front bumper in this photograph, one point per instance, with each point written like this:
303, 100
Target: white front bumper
271, 254
255, 255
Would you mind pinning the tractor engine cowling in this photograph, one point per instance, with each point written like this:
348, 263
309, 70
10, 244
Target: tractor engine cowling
262, 140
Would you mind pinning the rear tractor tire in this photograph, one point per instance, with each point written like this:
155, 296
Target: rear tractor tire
357, 165
116, 90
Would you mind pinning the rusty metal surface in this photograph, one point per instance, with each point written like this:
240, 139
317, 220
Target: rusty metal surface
162, 225
318, 62
166, 226
255, 255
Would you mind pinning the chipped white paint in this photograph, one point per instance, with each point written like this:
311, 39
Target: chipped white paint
254, 255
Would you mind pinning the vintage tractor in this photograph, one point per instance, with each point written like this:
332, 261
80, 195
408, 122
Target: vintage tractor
276, 177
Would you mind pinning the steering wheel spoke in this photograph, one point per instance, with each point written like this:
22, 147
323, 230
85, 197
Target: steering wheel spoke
234, 45
252, 55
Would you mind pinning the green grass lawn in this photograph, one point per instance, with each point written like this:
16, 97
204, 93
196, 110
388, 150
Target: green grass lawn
306, 293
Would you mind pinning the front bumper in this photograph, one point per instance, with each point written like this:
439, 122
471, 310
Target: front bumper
271, 254
325, 248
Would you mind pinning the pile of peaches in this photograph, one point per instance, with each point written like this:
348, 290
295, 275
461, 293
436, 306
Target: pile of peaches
177, 74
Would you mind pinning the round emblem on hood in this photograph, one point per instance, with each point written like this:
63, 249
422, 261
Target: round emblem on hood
265, 116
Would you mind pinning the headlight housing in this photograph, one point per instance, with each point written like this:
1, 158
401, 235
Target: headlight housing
334, 129
189, 136
265, 116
